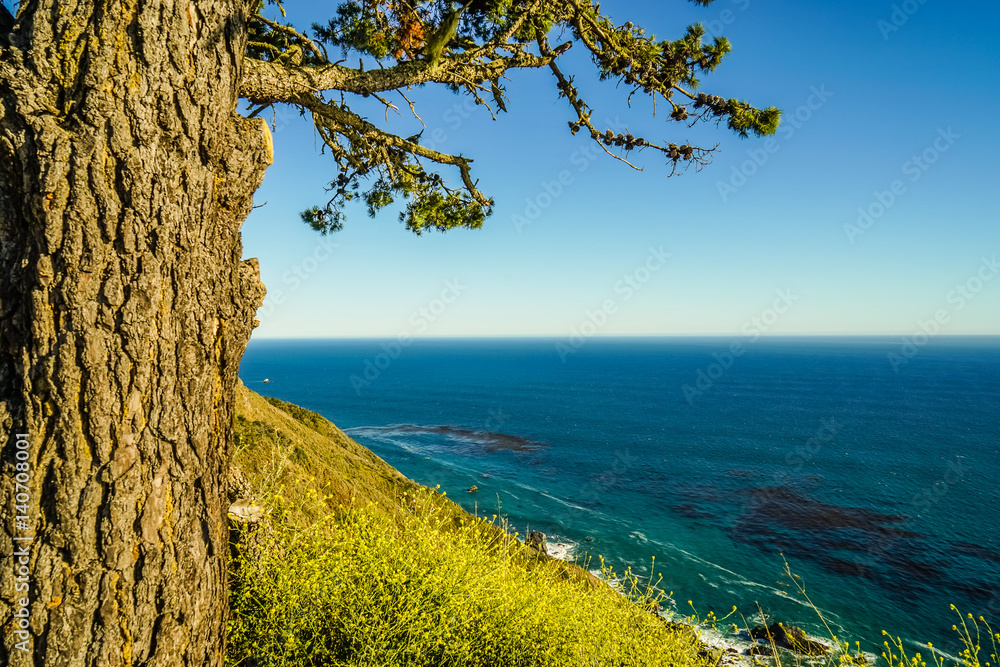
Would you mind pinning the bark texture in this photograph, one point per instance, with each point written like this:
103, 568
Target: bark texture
273, 82
125, 174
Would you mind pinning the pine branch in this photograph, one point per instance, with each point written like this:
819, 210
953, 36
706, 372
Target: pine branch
294, 34
685, 154
470, 46
501, 39
276, 82
339, 120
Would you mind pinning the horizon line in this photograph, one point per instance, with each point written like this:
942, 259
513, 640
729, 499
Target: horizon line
619, 336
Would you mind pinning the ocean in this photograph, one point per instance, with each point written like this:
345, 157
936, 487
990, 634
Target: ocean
871, 465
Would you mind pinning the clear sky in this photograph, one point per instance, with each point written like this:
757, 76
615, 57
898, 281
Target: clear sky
889, 107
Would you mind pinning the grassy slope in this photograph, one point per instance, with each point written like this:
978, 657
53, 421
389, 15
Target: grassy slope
283, 448
281, 443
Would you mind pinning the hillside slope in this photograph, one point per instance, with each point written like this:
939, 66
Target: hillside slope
284, 452
278, 443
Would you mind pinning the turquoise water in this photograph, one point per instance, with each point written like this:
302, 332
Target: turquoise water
878, 482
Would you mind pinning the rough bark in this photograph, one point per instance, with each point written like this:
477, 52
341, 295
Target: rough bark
273, 82
125, 174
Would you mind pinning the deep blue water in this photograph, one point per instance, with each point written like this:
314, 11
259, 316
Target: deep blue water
878, 484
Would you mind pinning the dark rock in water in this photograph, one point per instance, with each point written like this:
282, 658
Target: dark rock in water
796, 639
978, 591
790, 509
689, 511
536, 540
473, 488
590, 539
732, 650
976, 551
847, 568
786, 519
489, 442
788, 637
757, 649
914, 570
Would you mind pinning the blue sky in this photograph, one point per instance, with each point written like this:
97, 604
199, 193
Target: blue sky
888, 108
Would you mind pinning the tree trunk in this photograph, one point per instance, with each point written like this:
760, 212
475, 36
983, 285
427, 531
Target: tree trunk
125, 174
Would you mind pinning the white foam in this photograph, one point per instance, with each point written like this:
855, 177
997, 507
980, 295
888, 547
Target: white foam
558, 548
924, 647
561, 549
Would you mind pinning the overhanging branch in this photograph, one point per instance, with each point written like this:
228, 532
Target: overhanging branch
685, 154
470, 47
338, 119
274, 82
